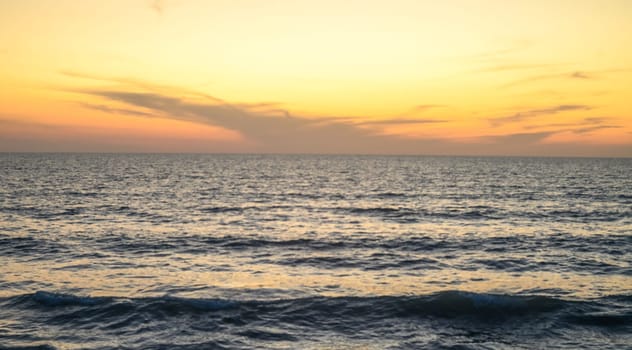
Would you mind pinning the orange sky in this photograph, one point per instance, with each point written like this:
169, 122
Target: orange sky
396, 77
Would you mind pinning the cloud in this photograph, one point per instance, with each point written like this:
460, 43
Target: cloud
158, 6
401, 121
529, 114
420, 108
584, 126
498, 54
520, 139
7, 121
112, 110
266, 126
270, 131
287, 133
580, 75
577, 75
514, 67
591, 124
269, 128
596, 120
571, 75
18, 134
594, 128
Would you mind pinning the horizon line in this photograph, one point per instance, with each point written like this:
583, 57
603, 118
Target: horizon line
320, 154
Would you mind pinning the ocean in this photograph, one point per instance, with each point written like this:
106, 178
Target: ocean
158, 251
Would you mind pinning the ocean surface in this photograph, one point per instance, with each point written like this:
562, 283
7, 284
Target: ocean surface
105, 251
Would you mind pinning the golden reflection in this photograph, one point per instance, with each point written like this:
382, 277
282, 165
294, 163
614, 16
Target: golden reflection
204, 277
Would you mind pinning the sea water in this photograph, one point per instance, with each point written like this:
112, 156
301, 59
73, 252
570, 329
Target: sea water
142, 251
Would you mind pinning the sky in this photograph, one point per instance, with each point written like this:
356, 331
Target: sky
459, 77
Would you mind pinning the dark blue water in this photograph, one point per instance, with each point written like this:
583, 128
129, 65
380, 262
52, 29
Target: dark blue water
314, 252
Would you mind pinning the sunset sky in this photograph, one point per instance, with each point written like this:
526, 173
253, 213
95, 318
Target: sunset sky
385, 77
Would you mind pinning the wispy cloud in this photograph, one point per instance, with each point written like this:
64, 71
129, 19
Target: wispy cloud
581, 75
594, 128
597, 120
522, 139
158, 6
533, 113
112, 110
584, 126
514, 67
574, 75
401, 121
498, 54
422, 108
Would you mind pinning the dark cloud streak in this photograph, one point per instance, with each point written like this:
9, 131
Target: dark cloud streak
594, 128
112, 110
533, 113
587, 125
270, 131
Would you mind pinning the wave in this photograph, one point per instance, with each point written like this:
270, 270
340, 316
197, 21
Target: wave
28, 347
56, 299
441, 304
51, 299
169, 322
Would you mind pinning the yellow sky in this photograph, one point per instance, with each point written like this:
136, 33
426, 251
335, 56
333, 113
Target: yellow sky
419, 77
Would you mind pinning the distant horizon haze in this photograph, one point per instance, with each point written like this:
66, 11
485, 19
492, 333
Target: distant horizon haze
272, 154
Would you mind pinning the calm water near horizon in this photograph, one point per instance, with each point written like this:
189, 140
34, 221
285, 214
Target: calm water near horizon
157, 251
